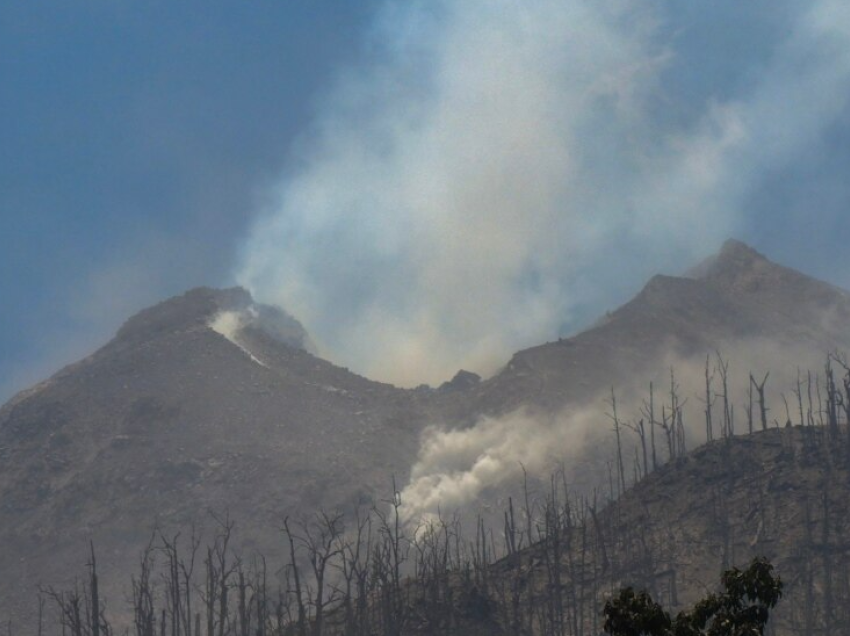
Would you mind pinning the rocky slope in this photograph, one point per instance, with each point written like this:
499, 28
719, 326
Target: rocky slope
735, 297
780, 494
172, 419
210, 402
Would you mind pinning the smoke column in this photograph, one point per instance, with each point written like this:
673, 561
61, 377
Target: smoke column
455, 467
496, 164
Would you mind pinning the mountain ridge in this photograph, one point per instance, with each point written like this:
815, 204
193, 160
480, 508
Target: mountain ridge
173, 418
690, 314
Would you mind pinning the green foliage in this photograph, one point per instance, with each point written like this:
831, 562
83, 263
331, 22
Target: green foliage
634, 614
742, 608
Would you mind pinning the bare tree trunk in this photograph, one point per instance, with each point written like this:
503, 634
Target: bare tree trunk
95, 595
299, 596
762, 406
652, 427
621, 471
709, 433
728, 424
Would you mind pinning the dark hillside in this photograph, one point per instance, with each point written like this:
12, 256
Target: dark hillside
209, 401
170, 420
781, 494
737, 295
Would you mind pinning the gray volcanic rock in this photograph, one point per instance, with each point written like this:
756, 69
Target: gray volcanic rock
780, 494
781, 294
737, 296
233, 307
462, 381
172, 419
212, 402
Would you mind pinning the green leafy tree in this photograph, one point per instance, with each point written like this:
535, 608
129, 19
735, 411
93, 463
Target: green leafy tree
742, 608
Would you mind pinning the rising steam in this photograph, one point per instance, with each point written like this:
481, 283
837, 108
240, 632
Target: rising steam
456, 467
496, 163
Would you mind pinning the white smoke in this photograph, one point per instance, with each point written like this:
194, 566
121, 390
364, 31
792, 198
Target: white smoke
455, 468
229, 323
498, 162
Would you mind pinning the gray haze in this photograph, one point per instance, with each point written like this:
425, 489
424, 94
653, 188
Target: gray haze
455, 466
473, 188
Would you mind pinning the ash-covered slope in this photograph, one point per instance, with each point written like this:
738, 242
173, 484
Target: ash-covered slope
209, 401
735, 298
173, 418
781, 494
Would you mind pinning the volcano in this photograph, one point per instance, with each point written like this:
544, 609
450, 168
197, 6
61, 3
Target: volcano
210, 403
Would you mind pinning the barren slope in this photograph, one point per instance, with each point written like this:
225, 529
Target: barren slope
735, 296
174, 418
781, 494
170, 420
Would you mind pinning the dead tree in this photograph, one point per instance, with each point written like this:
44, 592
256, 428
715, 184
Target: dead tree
144, 613
219, 570
621, 471
70, 606
528, 508
301, 619
320, 539
552, 545
677, 427
798, 393
353, 565
81, 612
510, 529
728, 428
828, 556
832, 401
761, 401
750, 406
649, 413
640, 430
709, 400
389, 555
95, 616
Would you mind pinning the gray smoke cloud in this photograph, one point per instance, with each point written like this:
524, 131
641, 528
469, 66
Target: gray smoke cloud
496, 164
455, 468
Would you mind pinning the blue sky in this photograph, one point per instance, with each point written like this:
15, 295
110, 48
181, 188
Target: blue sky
350, 161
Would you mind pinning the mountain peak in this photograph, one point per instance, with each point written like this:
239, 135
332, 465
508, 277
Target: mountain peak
225, 310
738, 271
738, 255
733, 245
734, 259
195, 308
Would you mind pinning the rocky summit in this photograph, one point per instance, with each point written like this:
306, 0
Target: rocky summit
174, 418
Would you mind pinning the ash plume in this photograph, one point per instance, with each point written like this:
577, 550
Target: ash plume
472, 187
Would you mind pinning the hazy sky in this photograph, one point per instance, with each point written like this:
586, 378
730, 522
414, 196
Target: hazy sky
427, 185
